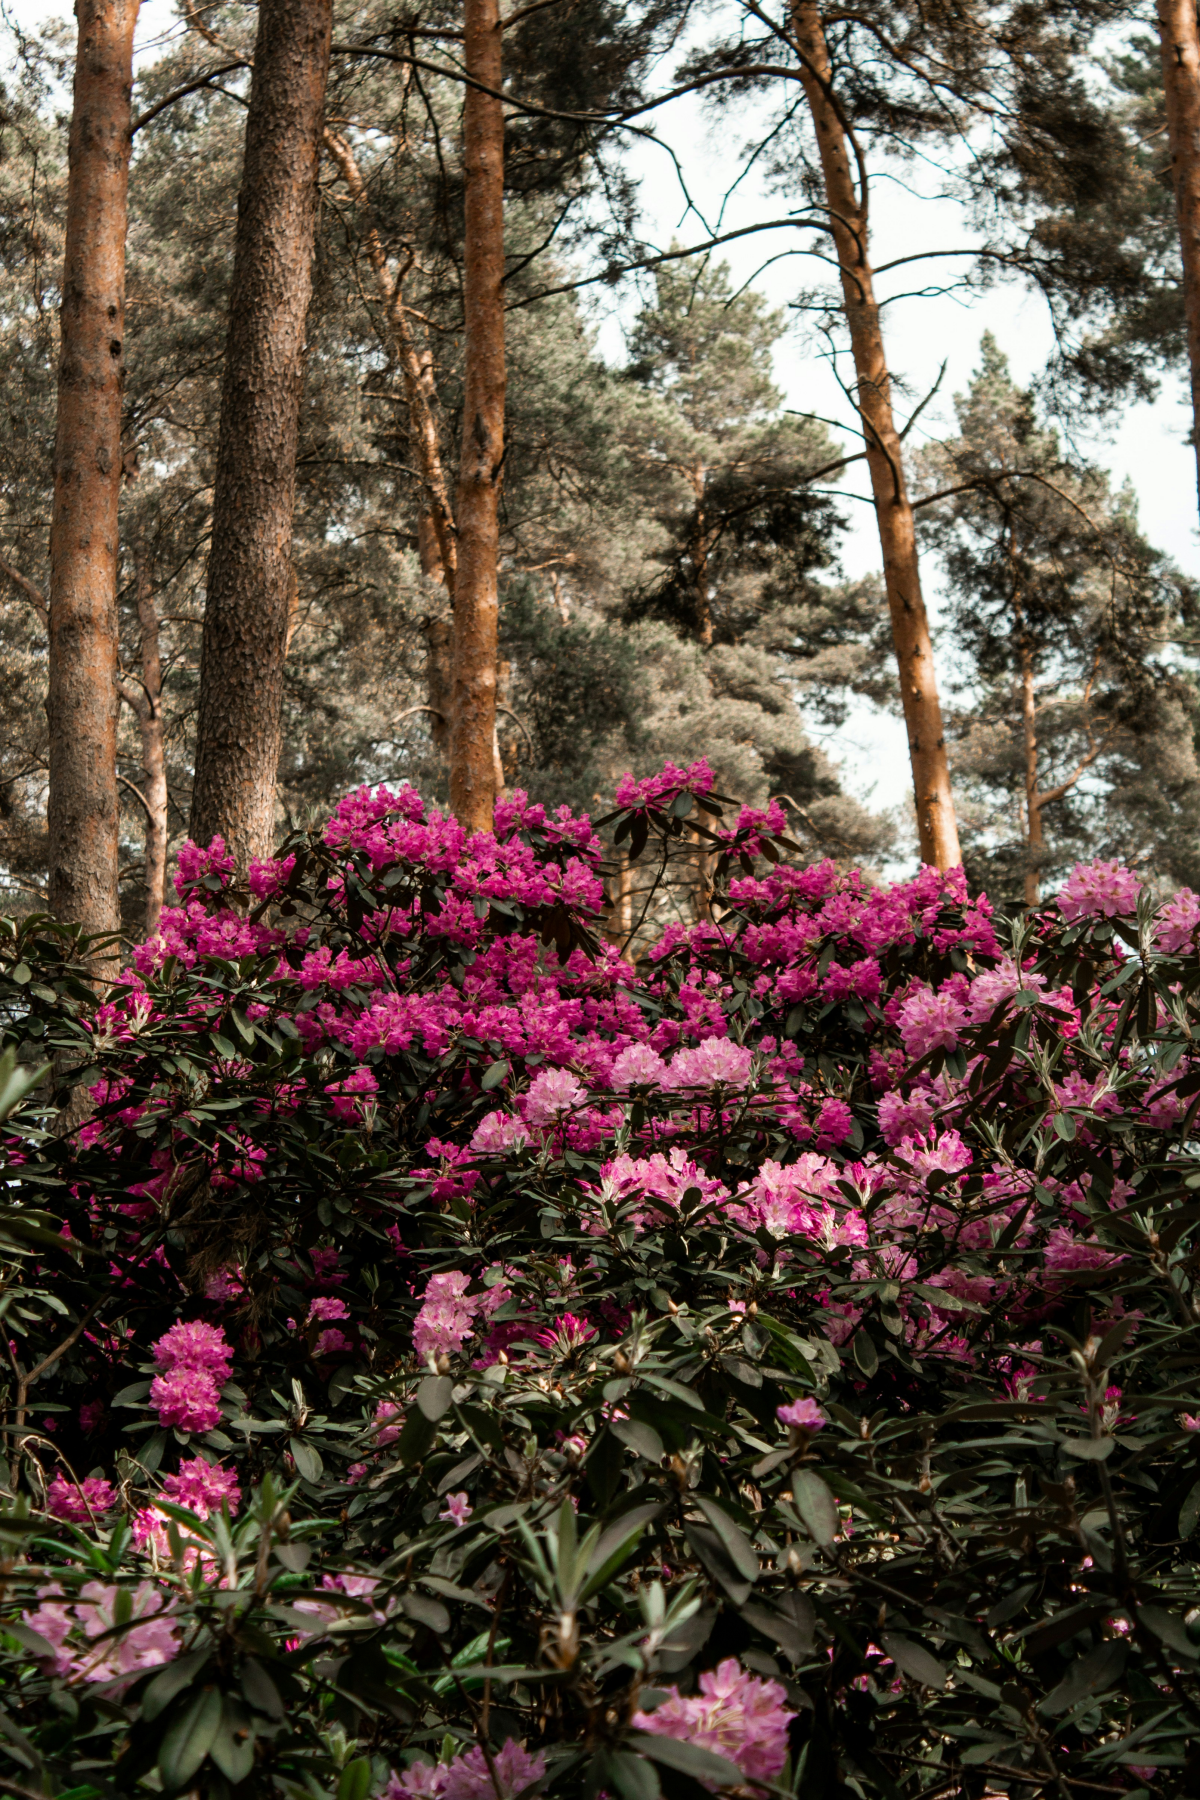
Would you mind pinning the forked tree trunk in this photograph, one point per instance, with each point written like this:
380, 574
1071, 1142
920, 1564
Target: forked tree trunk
476, 598
249, 569
146, 704
1179, 42
435, 529
897, 535
82, 702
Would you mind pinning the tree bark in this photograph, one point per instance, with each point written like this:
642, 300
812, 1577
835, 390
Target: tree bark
82, 702
1035, 837
249, 569
848, 224
476, 599
1179, 42
435, 529
146, 704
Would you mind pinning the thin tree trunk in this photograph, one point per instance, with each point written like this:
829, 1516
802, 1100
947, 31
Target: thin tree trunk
897, 536
146, 703
476, 599
1179, 42
435, 528
1035, 838
249, 569
82, 702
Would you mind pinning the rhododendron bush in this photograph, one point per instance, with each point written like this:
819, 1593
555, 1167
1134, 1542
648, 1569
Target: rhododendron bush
443, 1356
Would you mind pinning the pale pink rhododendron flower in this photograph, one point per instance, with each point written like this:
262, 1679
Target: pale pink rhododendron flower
468, 1777
637, 1065
1176, 922
148, 1639
498, 1132
448, 1313
389, 1421
930, 1021
804, 1414
552, 1093
457, 1509
1099, 890
715, 1061
735, 1715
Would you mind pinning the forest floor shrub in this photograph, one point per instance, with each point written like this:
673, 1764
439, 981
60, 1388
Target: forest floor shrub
450, 1359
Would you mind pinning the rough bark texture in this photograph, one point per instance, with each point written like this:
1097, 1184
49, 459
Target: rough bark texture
1035, 835
249, 568
473, 724
435, 530
1179, 41
897, 536
82, 701
145, 701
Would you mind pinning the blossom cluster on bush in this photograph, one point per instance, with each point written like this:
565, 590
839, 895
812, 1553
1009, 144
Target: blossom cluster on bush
375, 1141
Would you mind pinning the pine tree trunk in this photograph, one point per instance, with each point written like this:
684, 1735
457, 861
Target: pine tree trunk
936, 824
154, 762
476, 600
1179, 41
1035, 836
435, 529
249, 568
82, 701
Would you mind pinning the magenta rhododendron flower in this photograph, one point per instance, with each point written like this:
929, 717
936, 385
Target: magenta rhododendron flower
735, 1715
327, 1306
203, 1487
78, 1504
187, 1398
195, 1346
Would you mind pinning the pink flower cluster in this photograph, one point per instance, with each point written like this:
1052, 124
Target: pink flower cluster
79, 1503
448, 1312
468, 1777
735, 1715
148, 1637
195, 1359
1099, 890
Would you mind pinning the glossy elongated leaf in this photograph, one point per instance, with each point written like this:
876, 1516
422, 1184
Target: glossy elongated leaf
634, 1777
1088, 1674
734, 1541
189, 1739
789, 1621
434, 1396
639, 1437
307, 1459
707, 1546
816, 1506
170, 1681
914, 1660
689, 1759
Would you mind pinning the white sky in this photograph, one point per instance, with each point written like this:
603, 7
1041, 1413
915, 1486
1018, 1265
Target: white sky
1148, 446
